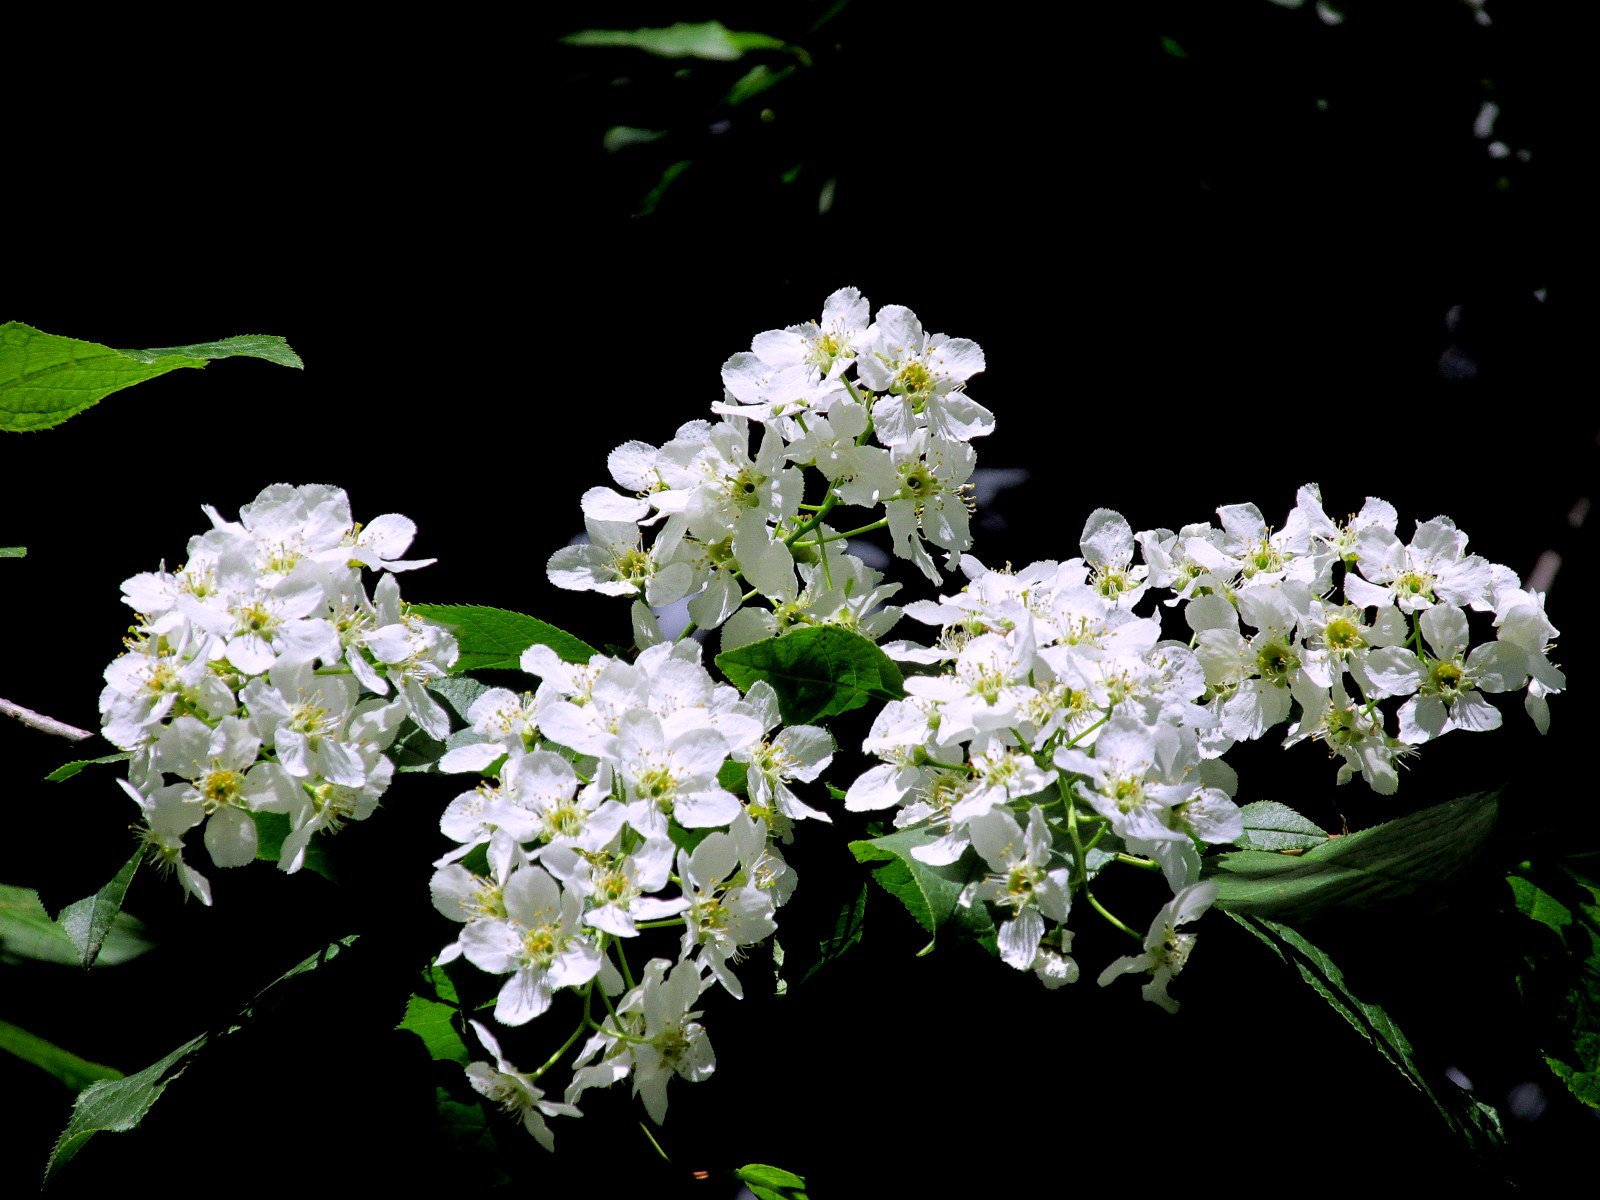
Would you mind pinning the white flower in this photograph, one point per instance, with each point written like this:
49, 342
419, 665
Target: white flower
540, 943
1165, 949
1026, 884
515, 1091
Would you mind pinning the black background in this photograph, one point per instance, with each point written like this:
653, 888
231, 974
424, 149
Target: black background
1194, 286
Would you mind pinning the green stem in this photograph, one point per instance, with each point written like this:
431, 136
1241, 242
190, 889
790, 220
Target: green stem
568, 1044
1133, 860
1108, 915
882, 523
828, 503
664, 923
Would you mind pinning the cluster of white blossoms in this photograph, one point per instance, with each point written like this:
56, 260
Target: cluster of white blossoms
627, 828
262, 678
1063, 733
875, 405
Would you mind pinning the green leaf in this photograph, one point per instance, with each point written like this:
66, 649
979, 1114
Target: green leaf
459, 692
77, 1073
772, 1183
245, 345
754, 82
432, 1018
67, 770
119, 1105
44, 379
493, 638
1476, 1122
413, 748
847, 930
13, 551
1562, 972
1269, 825
88, 921
1170, 46
1386, 862
818, 672
27, 932
708, 39
652, 198
930, 894
686, 839
271, 830
475, 1157
734, 777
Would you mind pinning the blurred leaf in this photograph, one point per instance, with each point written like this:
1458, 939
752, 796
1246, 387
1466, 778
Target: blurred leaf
67, 770
88, 921
494, 638
13, 551
754, 82
77, 1073
1475, 1122
1269, 825
708, 39
771, 1183
620, 137
652, 198
817, 672
1389, 861
1170, 46
27, 932
44, 379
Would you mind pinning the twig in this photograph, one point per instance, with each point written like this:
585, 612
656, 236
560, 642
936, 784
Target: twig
43, 723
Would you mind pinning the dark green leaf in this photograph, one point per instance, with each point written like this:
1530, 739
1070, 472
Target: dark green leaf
1562, 976
1269, 825
755, 81
44, 379
119, 1105
432, 1018
708, 39
817, 672
67, 770
1171, 46
930, 894
1533, 901
245, 345
88, 921
1389, 861
1474, 1121
493, 638
77, 1073
652, 198
271, 830
847, 930
474, 1156
686, 839
413, 748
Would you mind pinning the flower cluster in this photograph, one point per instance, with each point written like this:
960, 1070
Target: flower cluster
1063, 733
876, 406
262, 678
608, 812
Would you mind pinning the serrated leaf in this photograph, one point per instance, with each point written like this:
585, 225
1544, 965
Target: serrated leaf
13, 552
432, 1018
414, 749
45, 379
271, 830
27, 932
67, 770
87, 922
77, 1073
119, 1105
494, 638
930, 894
817, 672
1474, 1121
458, 692
847, 929
269, 346
1269, 825
707, 39
1374, 866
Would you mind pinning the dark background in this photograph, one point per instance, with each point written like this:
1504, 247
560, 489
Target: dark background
1204, 269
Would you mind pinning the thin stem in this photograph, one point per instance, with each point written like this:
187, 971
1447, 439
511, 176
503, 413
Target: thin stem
1108, 915
828, 503
881, 523
43, 723
664, 923
1133, 860
567, 1045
